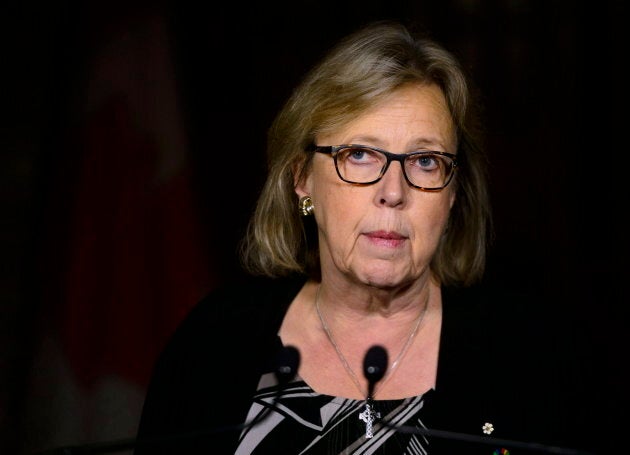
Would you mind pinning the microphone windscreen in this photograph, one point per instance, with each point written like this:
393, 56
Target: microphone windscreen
375, 364
287, 363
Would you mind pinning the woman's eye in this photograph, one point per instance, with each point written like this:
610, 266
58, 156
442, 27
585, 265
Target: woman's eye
424, 162
427, 161
357, 154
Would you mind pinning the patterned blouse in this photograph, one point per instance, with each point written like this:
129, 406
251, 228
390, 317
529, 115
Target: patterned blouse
302, 421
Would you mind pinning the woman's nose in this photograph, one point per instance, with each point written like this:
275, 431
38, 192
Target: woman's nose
393, 186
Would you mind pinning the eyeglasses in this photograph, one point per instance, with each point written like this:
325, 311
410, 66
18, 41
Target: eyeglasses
360, 164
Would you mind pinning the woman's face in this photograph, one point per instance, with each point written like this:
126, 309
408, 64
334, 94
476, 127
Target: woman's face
383, 234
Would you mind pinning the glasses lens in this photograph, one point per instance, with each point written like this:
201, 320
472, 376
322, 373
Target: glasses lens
359, 165
428, 170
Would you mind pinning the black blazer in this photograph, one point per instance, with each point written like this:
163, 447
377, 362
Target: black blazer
502, 362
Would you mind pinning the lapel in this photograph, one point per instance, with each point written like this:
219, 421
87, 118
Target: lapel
481, 384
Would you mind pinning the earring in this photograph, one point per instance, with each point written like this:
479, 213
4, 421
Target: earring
306, 206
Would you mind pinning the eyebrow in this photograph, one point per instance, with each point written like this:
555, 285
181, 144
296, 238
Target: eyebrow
416, 144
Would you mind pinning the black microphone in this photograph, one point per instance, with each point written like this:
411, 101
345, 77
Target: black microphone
286, 365
374, 369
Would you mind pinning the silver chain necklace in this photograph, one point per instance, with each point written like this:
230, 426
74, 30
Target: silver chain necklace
369, 415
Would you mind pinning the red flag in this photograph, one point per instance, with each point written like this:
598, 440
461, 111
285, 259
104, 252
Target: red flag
136, 260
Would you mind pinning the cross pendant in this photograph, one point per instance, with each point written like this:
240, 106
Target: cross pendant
369, 416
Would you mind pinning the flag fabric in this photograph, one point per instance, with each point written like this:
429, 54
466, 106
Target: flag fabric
136, 257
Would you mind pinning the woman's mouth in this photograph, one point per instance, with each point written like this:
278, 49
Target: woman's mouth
385, 238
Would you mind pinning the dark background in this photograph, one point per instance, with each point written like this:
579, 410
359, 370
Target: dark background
553, 80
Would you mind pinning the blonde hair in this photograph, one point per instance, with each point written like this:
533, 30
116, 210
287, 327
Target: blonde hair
362, 69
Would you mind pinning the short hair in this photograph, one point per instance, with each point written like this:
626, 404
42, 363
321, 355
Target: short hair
362, 69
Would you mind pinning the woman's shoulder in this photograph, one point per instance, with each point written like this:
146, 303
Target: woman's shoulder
506, 320
236, 305
509, 349
232, 314
492, 303
246, 294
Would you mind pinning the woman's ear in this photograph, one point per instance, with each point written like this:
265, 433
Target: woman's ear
301, 180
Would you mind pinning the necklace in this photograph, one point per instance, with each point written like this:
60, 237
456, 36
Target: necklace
369, 415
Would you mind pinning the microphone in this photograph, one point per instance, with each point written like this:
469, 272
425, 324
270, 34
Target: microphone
374, 368
287, 361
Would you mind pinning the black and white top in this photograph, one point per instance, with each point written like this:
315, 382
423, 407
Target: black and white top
302, 421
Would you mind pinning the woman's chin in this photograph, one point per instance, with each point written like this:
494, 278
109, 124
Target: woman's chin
384, 279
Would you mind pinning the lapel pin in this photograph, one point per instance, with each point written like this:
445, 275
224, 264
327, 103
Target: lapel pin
487, 428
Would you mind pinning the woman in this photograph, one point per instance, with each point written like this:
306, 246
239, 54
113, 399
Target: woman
372, 222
